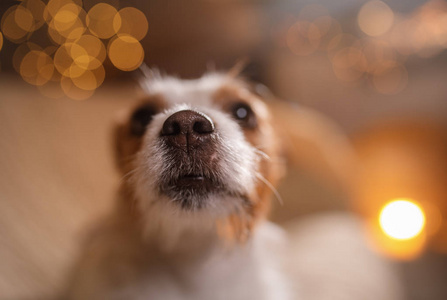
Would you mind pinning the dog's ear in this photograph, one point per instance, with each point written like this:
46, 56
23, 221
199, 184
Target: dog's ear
313, 142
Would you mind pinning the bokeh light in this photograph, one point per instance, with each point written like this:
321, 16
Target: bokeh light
349, 64
11, 30
36, 67
73, 63
375, 18
131, 21
303, 38
69, 61
390, 77
125, 52
103, 20
402, 219
20, 53
70, 89
36, 7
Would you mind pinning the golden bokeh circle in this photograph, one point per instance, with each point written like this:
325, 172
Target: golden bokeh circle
303, 38
68, 55
1, 41
90, 79
102, 19
131, 21
37, 8
68, 24
95, 49
24, 18
20, 53
66, 17
375, 18
36, 67
125, 52
11, 30
74, 92
54, 6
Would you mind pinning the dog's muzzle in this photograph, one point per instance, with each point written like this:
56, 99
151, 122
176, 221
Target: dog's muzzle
188, 140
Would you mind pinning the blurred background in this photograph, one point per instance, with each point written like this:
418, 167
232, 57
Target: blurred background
377, 69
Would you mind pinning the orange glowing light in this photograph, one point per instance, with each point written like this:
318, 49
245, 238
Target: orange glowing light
375, 18
11, 30
65, 17
67, 24
131, 21
402, 219
125, 52
74, 92
102, 19
24, 18
36, 7
90, 80
73, 65
37, 67
70, 54
20, 53
95, 49
54, 6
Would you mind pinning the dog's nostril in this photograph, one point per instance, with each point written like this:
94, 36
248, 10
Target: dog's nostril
203, 126
187, 121
171, 128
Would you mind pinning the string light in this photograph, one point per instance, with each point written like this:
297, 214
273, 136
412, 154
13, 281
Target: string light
103, 20
131, 21
125, 52
73, 65
369, 16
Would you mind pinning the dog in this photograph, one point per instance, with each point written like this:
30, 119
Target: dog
201, 159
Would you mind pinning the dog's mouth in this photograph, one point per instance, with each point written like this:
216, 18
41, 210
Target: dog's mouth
191, 190
196, 183
193, 181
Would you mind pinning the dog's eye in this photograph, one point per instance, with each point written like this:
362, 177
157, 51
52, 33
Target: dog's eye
140, 119
243, 113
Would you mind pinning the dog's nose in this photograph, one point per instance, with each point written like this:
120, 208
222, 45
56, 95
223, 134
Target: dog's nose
187, 129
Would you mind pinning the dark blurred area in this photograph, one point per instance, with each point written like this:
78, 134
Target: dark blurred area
377, 69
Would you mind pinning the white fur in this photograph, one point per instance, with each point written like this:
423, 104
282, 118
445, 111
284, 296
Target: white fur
237, 167
179, 255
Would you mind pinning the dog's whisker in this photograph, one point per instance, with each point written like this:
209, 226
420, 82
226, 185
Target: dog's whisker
128, 175
262, 153
271, 187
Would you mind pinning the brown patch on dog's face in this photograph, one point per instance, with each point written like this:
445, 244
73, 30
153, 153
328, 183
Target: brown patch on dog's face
254, 119
129, 134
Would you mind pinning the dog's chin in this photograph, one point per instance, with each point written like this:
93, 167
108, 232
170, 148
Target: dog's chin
192, 191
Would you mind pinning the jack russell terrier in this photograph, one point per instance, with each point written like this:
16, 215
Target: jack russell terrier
201, 159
